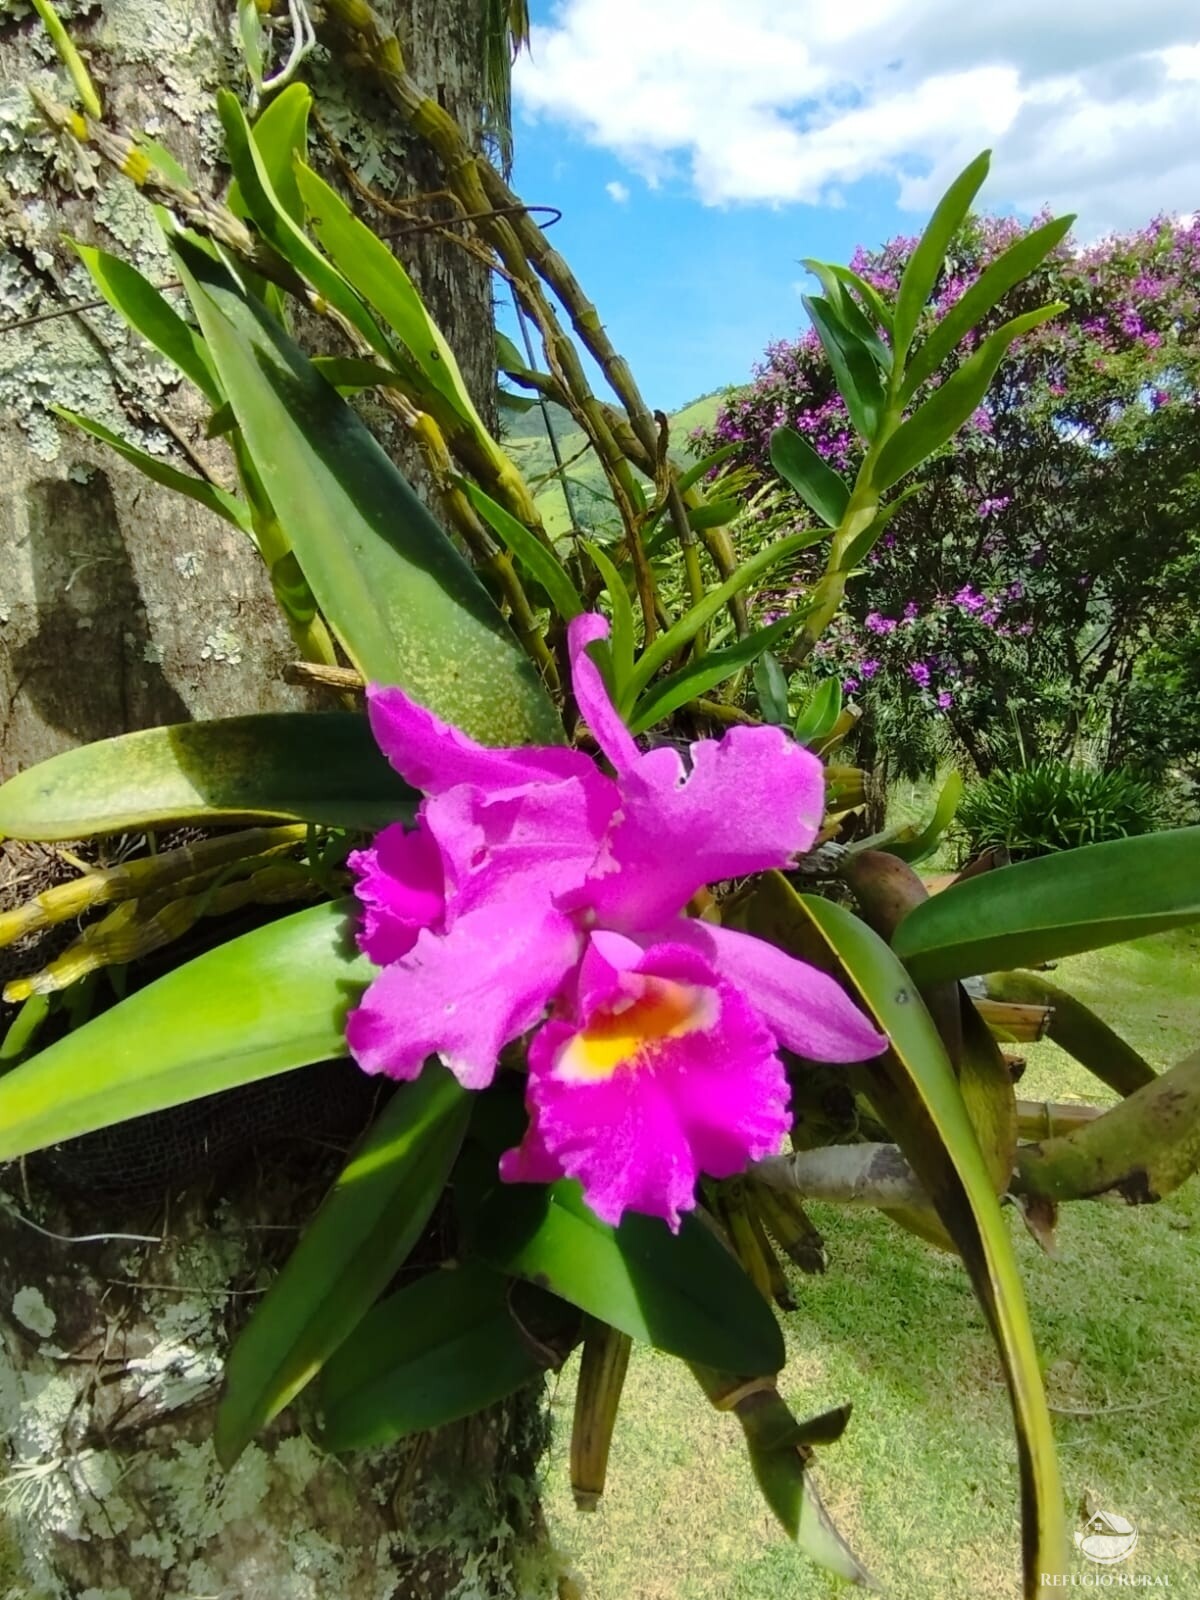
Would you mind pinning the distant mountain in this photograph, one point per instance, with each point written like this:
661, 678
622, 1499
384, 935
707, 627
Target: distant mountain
529, 424
525, 438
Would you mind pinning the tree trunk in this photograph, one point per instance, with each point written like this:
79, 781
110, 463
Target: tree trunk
123, 605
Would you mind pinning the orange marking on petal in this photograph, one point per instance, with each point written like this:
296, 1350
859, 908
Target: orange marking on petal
633, 1034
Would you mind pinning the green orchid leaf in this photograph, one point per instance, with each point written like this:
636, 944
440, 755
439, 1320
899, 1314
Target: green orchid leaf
705, 465
159, 156
819, 714
70, 58
873, 302
204, 1027
509, 359
319, 766
349, 374
706, 672
1058, 905
541, 564
251, 36
519, 404
915, 1091
280, 134
359, 1238
225, 505
21, 1036
146, 308
270, 214
854, 369
850, 314
402, 600
1009, 269
683, 1293
623, 637
952, 402
365, 261
220, 422
914, 844
771, 687
987, 1089
440, 1349
924, 265
713, 514
813, 479
685, 630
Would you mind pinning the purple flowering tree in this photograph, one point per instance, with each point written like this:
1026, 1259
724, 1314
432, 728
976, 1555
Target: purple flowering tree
1007, 606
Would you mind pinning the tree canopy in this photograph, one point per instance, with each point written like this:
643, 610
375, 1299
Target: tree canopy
1034, 595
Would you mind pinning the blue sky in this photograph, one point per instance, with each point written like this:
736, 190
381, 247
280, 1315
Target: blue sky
699, 148
690, 293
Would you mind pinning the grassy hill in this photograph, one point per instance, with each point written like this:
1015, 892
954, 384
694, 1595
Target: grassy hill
526, 440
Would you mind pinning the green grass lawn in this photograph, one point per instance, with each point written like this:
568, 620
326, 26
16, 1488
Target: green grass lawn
924, 1481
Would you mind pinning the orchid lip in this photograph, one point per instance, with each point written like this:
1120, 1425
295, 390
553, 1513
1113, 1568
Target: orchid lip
634, 1029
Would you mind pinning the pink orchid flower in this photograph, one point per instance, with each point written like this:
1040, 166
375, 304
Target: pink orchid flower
535, 883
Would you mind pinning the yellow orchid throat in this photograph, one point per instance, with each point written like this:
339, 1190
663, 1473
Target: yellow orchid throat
633, 1033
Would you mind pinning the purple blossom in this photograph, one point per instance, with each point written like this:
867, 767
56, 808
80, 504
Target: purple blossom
1000, 502
874, 623
945, 700
918, 671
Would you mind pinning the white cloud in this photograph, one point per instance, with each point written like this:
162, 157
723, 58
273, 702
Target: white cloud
617, 191
1089, 104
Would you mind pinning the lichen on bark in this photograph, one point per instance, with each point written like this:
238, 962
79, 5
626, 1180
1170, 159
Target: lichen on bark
110, 1353
111, 1356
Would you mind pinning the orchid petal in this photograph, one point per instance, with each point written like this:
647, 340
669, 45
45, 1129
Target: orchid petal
434, 757
591, 696
539, 841
623, 1141
709, 1099
751, 801
807, 1011
530, 1161
465, 995
401, 888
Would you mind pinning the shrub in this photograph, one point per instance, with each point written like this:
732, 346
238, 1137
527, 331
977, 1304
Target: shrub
1057, 531
1055, 805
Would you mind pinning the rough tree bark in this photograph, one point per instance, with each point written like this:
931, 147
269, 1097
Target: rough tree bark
122, 606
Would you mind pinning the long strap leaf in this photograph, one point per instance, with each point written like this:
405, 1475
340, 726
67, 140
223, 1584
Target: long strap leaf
304, 766
387, 578
915, 1090
1055, 906
270, 1001
360, 1236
